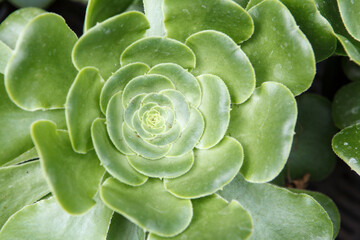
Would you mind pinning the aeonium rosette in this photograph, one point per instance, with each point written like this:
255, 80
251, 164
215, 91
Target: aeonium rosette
160, 116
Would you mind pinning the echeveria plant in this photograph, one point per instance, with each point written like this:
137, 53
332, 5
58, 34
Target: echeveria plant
163, 125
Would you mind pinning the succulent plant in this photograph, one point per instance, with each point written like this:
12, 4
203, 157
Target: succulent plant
163, 125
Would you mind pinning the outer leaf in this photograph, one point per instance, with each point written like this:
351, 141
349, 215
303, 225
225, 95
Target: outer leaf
166, 167
82, 107
149, 206
328, 205
15, 125
14, 24
118, 81
41, 63
285, 54
349, 11
47, 220
278, 213
113, 161
183, 18
311, 150
28, 155
5, 55
19, 186
346, 144
32, 3
123, 229
346, 105
350, 46
351, 69
155, 50
102, 46
217, 54
100, 10
213, 168
242, 3
214, 218
73, 178
266, 121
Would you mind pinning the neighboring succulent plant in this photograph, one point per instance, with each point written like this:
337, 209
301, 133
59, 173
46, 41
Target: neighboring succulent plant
163, 114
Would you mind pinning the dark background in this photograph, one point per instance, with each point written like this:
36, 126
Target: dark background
342, 186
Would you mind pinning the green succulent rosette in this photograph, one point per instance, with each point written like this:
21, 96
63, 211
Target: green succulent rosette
140, 122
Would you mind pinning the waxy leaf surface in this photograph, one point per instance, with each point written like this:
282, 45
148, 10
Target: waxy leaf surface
47, 220
41, 63
150, 206
278, 213
73, 178
122, 229
264, 125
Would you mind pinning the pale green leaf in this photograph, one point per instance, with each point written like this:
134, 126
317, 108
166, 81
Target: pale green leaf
122, 229
19, 186
218, 54
278, 213
103, 44
215, 218
5, 54
155, 14
264, 125
215, 108
41, 62
155, 50
73, 178
186, 17
213, 169
82, 108
166, 167
47, 220
350, 14
15, 125
285, 55
111, 159
150, 206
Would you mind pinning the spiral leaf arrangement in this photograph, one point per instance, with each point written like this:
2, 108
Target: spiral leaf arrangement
168, 122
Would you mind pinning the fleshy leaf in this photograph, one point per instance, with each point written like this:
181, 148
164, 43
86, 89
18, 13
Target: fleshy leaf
28, 155
351, 69
145, 84
5, 55
214, 218
112, 160
19, 186
100, 10
346, 144
215, 108
350, 46
118, 81
285, 55
115, 118
346, 105
242, 3
184, 81
141, 147
156, 50
73, 178
311, 150
155, 14
122, 229
47, 220
183, 18
218, 54
278, 213
103, 44
190, 136
150, 206
267, 122
14, 24
349, 11
82, 107
213, 168
41, 63
32, 3
328, 205
166, 167
15, 125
